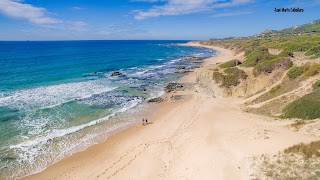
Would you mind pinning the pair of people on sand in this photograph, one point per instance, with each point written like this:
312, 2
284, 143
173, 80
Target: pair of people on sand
144, 121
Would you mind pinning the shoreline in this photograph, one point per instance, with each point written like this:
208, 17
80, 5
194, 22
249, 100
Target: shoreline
126, 129
200, 137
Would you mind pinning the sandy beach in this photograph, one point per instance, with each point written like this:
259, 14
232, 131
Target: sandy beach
199, 137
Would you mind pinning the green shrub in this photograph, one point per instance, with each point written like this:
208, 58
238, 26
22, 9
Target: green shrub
286, 53
316, 85
217, 77
294, 72
312, 69
306, 107
231, 77
275, 89
313, 50
270, 65
229, 64
308, 69
256, 55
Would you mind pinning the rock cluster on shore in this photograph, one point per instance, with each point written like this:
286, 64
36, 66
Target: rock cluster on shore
196, 62
156, 100
174, 87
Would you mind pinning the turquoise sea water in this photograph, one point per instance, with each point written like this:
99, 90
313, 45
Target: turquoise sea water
58, 97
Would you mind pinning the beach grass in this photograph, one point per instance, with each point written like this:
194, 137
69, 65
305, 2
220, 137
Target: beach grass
308, 150
229, 64
306, 107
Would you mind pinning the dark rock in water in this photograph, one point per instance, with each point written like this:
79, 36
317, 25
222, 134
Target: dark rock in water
173, 87
142, 88
117, 73
180, 67
156, 100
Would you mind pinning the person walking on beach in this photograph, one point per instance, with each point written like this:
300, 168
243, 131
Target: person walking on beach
146, 121
142, 121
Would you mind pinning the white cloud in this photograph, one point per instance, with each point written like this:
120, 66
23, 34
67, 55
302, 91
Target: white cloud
77, 26
304, 3
19, 10
236, 13
77, 8
180, 7
121, 31
148, 0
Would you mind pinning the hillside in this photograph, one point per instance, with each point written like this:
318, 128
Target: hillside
309, 28
277, 74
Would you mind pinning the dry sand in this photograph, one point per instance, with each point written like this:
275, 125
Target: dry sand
201, 137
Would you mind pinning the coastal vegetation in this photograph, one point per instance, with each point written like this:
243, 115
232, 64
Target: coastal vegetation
270, 65
308, 150
231, 63
271, 54
296, 162
230, 77
306, 107
307, 70
304, 38
316, 85
283, 68
279, 72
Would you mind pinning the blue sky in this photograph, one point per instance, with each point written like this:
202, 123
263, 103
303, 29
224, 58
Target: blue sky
146, 19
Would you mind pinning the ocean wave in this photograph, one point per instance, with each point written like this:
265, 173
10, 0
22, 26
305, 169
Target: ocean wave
29, 148
55, 95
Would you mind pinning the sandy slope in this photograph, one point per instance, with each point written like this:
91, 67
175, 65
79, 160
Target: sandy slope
198, 138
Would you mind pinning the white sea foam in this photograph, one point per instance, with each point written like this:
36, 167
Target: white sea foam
138, 73
50, 96
133, 67
198, 54
156, 66
29, 148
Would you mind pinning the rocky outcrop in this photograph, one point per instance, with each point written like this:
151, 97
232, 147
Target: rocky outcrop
174, 87
156, 100
117, 73
180, 67
282, 63
247, 87
206, 84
